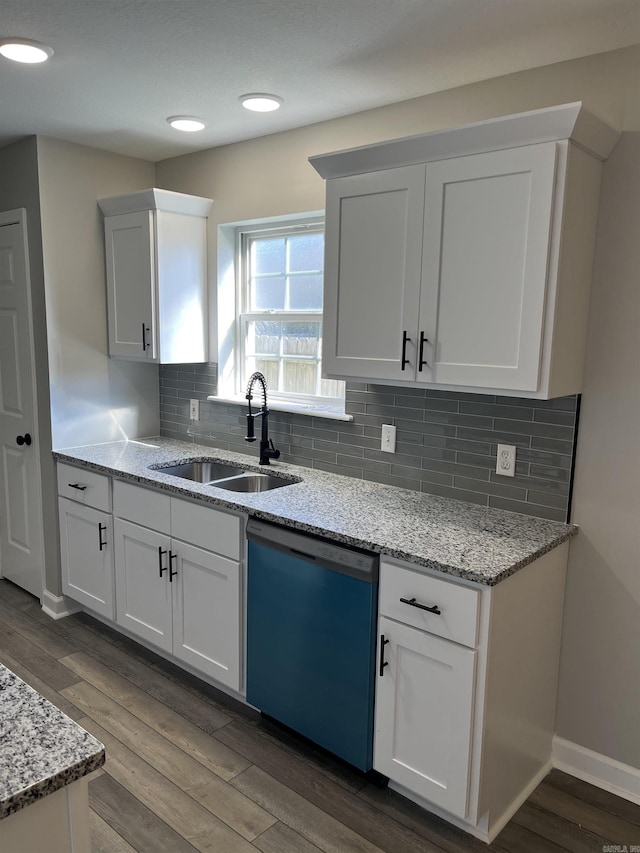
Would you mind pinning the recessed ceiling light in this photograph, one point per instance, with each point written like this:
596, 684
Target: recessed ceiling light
261, 103
187, 123
25, 50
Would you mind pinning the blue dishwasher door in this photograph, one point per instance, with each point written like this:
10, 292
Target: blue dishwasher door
311, 650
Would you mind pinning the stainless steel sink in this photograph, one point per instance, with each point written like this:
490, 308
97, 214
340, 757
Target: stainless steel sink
203, 471
254, 483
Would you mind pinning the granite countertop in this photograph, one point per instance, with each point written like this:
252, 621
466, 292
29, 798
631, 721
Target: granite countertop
476, 543
41, 749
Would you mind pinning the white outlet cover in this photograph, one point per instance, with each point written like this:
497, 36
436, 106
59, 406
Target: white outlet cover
506, 460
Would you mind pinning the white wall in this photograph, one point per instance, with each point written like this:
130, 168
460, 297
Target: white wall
93, 398
599, 701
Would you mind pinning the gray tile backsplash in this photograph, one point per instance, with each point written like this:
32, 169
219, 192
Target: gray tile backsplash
446, 441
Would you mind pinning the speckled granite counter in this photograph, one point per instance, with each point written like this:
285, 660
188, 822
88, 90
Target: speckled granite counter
476, 543
41, 749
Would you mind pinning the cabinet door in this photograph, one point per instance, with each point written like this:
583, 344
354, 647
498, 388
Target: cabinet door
486, 245
86, 548
206, 613
373, 249
143, 591
424, 713
130, 257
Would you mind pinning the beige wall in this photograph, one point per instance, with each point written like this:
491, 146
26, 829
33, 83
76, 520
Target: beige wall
599, 702
93, 398
19, 188
270, 176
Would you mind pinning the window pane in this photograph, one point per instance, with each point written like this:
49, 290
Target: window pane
299, 377
300, 339
267, 255
263, 338
270, 370
267, 294
306, 252
305, 293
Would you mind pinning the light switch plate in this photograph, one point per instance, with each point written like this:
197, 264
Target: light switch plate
388, 441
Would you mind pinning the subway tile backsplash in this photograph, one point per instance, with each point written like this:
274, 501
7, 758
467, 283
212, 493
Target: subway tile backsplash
446, 441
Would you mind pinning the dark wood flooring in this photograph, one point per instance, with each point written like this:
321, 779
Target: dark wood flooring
190, 769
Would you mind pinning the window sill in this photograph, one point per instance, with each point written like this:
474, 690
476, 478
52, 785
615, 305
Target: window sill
330, 413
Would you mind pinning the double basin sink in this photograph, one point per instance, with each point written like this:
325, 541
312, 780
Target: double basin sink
223, 476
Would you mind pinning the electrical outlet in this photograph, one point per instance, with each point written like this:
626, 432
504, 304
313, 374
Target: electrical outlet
194, 410
388, 441
506, 460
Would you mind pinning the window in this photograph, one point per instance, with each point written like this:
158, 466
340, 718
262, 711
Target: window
279, 272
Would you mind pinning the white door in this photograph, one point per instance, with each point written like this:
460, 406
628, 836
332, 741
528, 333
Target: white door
143, 591
424, 714
86, 549
130, 258
484, 276
373, 252
21, 536
206, 613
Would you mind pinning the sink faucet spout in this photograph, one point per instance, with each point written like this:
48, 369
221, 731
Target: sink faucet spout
267, 450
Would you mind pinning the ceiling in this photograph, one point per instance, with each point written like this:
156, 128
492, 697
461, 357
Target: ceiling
121, 67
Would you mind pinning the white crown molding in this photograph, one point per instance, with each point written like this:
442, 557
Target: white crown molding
553, 124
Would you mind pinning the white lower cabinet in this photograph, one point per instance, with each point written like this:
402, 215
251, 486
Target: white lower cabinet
86, 547
166, 570
180, 597
143, 595
466, 688
425, 678
86, 538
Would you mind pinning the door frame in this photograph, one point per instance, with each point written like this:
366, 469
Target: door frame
18, 216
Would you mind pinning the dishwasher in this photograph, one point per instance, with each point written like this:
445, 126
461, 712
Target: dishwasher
311, 631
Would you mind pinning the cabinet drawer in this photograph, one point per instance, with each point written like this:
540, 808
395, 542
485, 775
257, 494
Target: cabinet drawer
206, 528
458, 605
84, 486
142, 506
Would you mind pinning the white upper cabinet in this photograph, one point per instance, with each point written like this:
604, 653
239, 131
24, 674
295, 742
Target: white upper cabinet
156, 264
470, 266
374, 255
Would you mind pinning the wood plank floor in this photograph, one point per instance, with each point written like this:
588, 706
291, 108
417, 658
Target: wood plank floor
189, 769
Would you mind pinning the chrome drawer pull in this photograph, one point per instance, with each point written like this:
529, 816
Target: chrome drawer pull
414, 603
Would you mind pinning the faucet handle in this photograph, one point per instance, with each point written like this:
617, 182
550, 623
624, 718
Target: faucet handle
275, 454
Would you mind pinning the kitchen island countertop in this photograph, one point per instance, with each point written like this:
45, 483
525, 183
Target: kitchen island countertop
476, 543
41, 749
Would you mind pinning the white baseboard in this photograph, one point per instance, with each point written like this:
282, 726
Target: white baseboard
599, 770
57, 606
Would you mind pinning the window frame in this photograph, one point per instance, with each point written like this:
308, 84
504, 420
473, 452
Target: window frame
243, 235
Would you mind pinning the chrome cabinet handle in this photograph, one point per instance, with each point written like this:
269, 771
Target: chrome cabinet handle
435, 609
